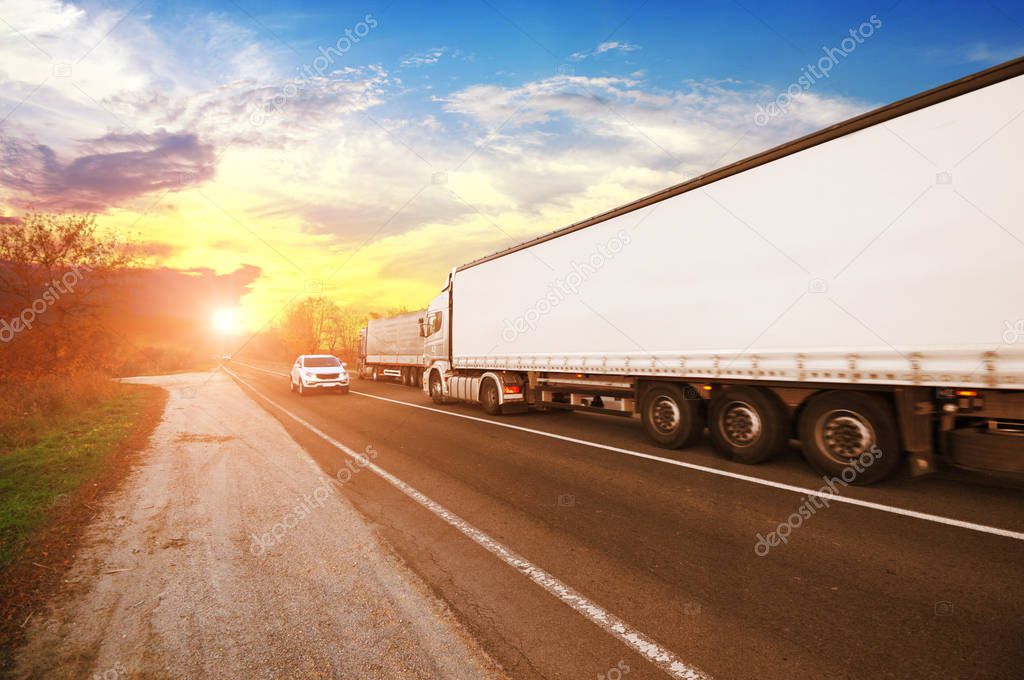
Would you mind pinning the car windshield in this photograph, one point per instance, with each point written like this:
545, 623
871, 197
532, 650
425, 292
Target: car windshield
321, 362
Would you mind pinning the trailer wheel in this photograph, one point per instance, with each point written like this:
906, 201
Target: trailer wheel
489, 397
747, 424
435, 388
670, 419
846, 430
373, 375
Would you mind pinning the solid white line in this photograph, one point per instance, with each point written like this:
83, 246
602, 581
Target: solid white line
607, 621
828, 496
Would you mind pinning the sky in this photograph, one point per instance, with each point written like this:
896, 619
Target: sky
361, 150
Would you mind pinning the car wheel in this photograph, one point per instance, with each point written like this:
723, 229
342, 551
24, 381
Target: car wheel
302, 390
291, 385
844, 429
489, 397
747, 424
670, 418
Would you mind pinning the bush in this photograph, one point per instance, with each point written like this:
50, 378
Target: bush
28, 405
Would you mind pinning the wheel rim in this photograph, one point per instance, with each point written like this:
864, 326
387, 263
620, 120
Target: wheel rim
665, 415
843, 435
435, 386
492, 396
740, 424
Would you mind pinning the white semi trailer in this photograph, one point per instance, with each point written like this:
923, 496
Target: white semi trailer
860, 289
391, 348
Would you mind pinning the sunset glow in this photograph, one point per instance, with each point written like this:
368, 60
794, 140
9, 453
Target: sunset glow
227, 321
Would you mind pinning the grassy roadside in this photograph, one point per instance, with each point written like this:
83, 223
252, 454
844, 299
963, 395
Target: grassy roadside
47, 490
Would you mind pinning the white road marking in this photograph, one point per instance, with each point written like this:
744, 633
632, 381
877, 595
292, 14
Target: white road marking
607, 621
834, 498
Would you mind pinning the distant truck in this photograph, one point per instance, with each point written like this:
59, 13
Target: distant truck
392, 348
860, 289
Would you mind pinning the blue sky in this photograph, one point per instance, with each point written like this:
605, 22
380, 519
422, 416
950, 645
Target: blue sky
922, 45
448, 131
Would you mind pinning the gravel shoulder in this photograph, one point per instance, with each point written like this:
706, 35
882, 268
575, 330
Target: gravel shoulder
229, 553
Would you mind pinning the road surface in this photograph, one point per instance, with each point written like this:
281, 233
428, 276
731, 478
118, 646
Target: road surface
922, 579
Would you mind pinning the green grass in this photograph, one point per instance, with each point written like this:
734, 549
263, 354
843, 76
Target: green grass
69, 452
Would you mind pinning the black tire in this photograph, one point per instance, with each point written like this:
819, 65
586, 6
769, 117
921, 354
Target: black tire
489, 397
303, 392
342, 390
435, 388
747, 424
671, 419
291, 385
848, 430
373, 375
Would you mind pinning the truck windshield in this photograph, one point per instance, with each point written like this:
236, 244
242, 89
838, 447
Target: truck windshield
321, 362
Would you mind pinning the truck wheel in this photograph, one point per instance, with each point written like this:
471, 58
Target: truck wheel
435, 388
373, 375
747, 424
489, 397
841, 430
670, 419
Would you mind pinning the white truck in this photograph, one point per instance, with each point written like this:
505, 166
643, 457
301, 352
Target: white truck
391, 348
860, 289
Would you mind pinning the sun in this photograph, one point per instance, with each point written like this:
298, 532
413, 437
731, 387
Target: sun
226, 321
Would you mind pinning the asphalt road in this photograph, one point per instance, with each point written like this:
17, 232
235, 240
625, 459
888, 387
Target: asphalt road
853, 592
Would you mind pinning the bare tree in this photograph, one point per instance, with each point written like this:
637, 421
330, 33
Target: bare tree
318, 324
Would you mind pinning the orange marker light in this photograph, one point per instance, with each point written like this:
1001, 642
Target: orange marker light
967, 393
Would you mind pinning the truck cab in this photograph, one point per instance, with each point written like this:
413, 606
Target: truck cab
435, 330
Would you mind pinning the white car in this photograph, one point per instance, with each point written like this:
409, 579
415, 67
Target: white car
312, 372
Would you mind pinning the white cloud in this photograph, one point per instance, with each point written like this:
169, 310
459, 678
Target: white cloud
431, 56
988, 54
609, 46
